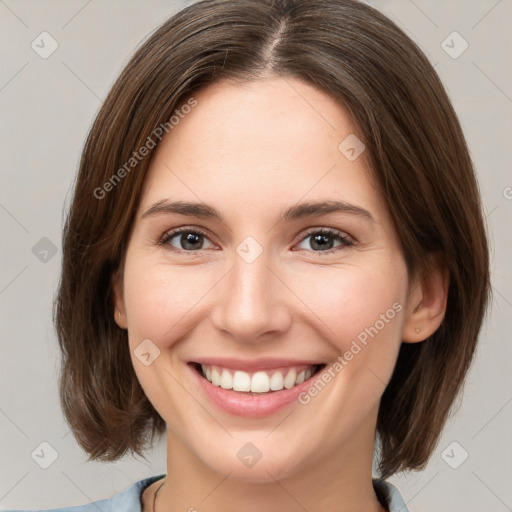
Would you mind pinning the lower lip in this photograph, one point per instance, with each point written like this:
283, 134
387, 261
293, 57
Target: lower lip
253, 406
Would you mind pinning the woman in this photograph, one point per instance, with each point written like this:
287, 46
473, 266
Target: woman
275, 255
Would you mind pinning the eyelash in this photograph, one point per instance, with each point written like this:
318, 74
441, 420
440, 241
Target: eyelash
329, 232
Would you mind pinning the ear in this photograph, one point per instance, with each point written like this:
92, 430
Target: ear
116, 284
427, 301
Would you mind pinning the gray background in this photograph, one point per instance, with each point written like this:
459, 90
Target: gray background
47, 106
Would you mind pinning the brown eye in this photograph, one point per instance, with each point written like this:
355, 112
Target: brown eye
323, 240
184, 240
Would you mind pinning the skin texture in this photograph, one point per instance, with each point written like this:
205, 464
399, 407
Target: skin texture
250, 151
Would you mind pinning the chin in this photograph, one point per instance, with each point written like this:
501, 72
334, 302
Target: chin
273, 464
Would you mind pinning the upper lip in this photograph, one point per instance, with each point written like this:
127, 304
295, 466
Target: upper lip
253, 364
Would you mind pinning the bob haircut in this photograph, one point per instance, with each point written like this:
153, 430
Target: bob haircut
415, 150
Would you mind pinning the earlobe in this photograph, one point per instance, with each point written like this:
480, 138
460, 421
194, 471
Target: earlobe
117, 291
427, 304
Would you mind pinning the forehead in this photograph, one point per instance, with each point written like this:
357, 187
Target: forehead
267, 116
269, 142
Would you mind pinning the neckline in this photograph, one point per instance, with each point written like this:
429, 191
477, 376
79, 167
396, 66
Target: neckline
381, 494
378, 486
144, 486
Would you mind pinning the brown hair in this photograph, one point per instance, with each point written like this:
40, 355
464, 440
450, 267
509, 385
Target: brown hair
417, 153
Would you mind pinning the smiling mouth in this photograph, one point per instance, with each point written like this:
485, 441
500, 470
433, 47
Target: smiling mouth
259, 382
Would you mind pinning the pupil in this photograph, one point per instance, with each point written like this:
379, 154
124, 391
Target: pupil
321, 239
190, 238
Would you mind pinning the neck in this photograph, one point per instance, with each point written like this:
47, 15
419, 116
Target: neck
340, 480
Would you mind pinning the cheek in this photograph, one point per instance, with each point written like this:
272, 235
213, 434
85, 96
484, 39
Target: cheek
164, 303
352, 301
360, 310
162, 299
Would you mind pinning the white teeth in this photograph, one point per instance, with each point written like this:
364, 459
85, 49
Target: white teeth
215, 377
259, 382
290, 379
241, 381
226, 380
276, 381
207, 371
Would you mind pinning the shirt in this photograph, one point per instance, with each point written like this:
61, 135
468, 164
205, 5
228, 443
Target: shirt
130, 499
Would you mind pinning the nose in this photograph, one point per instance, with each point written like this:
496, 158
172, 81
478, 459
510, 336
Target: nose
252, 302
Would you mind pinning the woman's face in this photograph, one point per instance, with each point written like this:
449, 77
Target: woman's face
249, 288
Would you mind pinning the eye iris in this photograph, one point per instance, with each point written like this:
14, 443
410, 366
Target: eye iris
189, 239
321, 240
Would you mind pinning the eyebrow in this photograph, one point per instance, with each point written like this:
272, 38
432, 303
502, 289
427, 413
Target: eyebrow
298, 211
